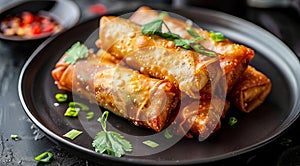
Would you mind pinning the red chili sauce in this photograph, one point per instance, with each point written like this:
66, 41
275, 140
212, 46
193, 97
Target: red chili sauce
29, 25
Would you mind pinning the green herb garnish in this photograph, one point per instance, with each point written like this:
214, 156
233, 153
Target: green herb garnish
201, 50
286, 141
217, 36
192, 32
167, 134
14, 137
155, 28
150, 143
163, 14
76, 52
44, 157
82, 106
72, 134
110, 142
72, 112
89, 115
232, 121
61, 97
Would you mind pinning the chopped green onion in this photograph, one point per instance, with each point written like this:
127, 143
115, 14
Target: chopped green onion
163, 14
72, 134
217, 36
72, 112
82, 106
14, 137
44, 157
61, 97
232, 121
89, 115
286, 141
150, 143
167, 134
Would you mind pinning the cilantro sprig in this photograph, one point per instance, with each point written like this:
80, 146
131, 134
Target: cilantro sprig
155, 28
77, 51
110, 142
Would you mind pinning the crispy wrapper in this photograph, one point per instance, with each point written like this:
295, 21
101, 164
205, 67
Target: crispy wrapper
234, 58
201, 118
251, 90
158, 57
143, 100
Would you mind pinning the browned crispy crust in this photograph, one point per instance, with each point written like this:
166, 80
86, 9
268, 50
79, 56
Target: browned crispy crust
143, 100
234, 58
156, 56
251, 90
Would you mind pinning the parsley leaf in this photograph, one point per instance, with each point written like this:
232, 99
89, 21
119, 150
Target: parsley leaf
153, 27
76, 52
169, 36
192, 32
202, 50
110, 142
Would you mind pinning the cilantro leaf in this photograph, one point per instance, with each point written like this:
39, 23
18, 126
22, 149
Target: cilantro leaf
153, 27
76, 52
192, 32
110, 142
169, 36
202, 50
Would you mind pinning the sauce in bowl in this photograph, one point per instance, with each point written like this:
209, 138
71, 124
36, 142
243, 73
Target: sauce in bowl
29, 25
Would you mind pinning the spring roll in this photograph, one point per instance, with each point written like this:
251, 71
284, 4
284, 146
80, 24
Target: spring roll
251, 90
234, 58
142, 100
158, 57
201, 118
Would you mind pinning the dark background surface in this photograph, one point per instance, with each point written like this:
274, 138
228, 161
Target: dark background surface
283, 22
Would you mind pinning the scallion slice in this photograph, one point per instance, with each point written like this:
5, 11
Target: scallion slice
72, 134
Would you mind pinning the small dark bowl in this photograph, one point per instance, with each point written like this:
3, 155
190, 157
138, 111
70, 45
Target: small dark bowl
66, 13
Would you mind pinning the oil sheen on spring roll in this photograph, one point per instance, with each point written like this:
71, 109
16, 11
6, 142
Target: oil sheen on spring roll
251, 90
144, 101
201, 118
156, 56
234, 58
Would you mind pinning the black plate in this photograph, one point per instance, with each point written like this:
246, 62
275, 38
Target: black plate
280, 110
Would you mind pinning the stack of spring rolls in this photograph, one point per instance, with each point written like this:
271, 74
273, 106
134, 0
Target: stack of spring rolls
155, 84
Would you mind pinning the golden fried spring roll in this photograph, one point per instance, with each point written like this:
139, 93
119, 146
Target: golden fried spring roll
251, 90
143, 100
234, 58
201, 118
156, 56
